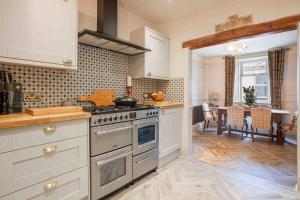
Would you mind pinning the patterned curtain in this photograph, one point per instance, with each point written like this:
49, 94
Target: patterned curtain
229, 79
276, 70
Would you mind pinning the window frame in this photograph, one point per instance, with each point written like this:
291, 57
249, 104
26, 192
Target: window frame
239, 69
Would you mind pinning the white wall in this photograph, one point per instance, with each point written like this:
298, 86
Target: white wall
208, 77
289, 88
127, 21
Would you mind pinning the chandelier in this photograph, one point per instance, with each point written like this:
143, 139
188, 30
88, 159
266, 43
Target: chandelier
237, 48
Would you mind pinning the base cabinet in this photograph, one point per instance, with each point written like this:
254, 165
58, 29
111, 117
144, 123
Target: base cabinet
53, 166
70, 186
169, 132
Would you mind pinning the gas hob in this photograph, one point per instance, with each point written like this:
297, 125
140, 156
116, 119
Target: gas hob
103, 115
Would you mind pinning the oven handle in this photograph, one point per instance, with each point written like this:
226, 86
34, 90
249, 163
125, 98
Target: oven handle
102, 162
111, 131
149, 123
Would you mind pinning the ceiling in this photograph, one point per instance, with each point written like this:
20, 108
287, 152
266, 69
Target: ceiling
161, 11
255, 45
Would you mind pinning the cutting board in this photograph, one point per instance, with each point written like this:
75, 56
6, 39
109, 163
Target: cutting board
53, 110
100, 97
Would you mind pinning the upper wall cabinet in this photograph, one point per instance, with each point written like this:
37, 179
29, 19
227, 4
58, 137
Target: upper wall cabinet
153, 64
41, 33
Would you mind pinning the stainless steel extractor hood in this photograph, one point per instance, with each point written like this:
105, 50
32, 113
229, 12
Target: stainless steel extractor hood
106, 35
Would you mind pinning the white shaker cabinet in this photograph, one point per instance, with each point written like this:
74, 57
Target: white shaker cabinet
41, 33
153, 64
59, 151
169, 133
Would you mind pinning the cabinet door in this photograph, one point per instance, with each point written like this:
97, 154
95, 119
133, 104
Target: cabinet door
157, 60
39, 31
6, 174
169, 131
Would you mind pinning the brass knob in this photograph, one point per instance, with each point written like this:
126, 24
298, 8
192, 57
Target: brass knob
67, 61
49, 150
50, 186
49, 129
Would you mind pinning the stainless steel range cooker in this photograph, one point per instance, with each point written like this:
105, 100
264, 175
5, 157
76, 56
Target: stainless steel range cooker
123, 146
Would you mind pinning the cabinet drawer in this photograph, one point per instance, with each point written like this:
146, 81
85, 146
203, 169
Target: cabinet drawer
36, 164
70, 186
23, 137
5, 140
6, 174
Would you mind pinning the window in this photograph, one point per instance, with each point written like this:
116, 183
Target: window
253, 72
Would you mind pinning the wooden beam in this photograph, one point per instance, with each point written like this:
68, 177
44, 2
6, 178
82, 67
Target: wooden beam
271, 27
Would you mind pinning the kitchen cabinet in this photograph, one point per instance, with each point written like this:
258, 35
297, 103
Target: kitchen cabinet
41, 33
169, 133
57, 149
69, 186
153, 64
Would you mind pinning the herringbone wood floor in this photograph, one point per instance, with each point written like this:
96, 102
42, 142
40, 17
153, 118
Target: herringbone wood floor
274, 163
222, 168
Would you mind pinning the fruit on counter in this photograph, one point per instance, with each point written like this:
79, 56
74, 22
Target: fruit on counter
158, 96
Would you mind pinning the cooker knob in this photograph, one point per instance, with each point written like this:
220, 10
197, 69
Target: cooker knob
121, 117
115, 118
125, 116
110, 118
147, 113
104, 119
99, 120
151, 113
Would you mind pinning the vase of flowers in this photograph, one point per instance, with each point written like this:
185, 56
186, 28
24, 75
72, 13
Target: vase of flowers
249, 97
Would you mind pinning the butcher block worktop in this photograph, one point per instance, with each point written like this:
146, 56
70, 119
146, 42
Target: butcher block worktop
25, 119
164, 104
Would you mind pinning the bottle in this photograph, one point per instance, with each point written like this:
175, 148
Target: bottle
4, 103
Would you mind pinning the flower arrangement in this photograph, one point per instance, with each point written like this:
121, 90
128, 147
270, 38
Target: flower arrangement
249, 98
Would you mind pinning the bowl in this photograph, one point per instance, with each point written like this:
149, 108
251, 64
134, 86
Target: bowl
159, 96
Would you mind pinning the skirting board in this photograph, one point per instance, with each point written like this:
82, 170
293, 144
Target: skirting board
168, 158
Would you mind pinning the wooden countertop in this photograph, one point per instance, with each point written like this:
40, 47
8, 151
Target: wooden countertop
24, 119
165, 104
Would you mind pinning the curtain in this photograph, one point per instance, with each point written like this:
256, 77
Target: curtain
229, 79
276, 70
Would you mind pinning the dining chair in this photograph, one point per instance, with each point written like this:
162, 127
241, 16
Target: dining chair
235, 117
262, 119
289, 126
209, 115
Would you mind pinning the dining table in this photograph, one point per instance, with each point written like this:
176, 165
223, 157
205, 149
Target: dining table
277, 118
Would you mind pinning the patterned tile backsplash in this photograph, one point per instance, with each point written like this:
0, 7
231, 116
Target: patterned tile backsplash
97, 69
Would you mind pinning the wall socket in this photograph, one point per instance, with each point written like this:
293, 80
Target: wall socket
32, 97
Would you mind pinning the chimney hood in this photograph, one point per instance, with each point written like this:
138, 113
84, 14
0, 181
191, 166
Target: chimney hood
106, 35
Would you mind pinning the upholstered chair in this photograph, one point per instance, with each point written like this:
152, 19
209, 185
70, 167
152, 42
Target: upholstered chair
235, 118
262, 119
209, 115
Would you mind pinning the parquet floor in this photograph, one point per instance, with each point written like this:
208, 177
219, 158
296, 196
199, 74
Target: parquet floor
222, 168
271, 162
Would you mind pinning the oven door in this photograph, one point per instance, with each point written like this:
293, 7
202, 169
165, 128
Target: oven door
110, 171
145, 135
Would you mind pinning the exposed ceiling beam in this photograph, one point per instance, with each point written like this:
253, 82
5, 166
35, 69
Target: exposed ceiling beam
271, 27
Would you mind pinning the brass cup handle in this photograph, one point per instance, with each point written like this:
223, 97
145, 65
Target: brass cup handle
49, 129
49, 150
50, 186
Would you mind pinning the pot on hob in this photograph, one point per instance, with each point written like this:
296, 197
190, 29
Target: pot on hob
125, 101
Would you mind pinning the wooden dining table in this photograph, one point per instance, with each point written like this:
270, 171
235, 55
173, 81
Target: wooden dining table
277, 117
